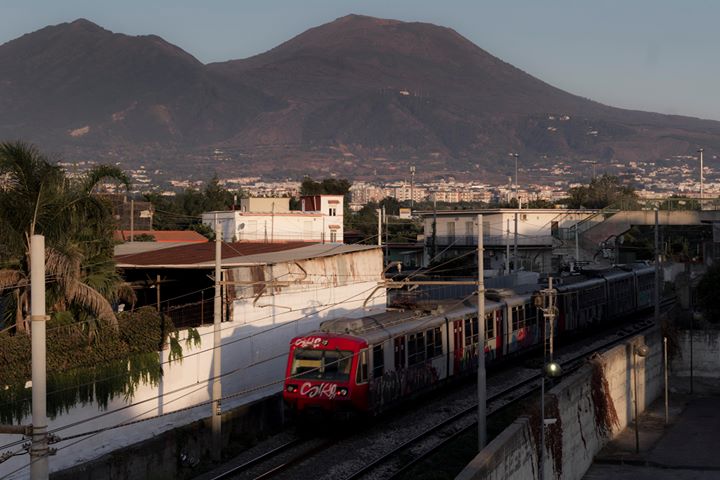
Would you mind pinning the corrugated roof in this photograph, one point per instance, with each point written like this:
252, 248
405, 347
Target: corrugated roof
187, 236
129, 248
202, 255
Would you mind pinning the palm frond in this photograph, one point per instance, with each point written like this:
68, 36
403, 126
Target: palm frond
12, 278
95, 303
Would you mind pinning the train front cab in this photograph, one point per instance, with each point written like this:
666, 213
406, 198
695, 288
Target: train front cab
327, 373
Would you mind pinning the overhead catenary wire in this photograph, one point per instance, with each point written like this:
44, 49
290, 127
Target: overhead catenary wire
284, 324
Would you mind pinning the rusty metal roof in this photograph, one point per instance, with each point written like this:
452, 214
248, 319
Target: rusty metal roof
188, 236
202, 255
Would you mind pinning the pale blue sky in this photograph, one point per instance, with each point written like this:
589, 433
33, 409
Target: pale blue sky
656, 55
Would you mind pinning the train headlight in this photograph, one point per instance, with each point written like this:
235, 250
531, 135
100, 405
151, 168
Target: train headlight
291, 388
342, 392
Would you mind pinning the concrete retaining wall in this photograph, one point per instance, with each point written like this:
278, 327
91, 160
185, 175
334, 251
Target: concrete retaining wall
513, 453
160, 457
705, 354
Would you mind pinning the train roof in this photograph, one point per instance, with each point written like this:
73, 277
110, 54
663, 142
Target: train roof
378, 328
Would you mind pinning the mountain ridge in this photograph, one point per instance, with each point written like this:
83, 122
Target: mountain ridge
354, 97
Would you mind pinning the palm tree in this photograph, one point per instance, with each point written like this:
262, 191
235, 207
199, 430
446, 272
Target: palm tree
36, 197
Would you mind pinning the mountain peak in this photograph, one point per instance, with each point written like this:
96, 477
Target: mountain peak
364, 19
85, 25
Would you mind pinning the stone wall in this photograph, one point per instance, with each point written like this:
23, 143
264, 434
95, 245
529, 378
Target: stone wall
575, 437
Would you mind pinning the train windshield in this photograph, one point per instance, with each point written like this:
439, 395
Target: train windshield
322, 364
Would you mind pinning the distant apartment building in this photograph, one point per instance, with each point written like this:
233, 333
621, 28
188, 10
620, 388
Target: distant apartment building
363, 193
406, 192
270, 220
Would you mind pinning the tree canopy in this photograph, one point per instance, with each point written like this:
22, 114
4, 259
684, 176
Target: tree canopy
36, 197
604, 191
183, 210
327, 186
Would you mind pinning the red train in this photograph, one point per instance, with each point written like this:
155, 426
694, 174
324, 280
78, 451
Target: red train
368, 364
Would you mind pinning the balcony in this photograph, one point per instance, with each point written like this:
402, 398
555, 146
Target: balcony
491, 240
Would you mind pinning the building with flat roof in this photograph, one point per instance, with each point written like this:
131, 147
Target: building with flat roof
270, 220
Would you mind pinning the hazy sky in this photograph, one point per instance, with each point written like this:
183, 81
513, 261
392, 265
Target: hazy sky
656, 55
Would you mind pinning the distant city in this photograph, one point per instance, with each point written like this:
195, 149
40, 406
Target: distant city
678, 176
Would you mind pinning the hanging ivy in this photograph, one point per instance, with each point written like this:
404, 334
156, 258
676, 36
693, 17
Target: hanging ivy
553, 433
603, 405
80, 371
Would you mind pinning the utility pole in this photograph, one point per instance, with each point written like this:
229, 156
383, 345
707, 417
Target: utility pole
379, 234
481, 375
412, 187
387, 232
517, 193
657, 268
507, 248
515, 251
702, 189
39, 447
132, 220
216, 413
577, 244
435, 252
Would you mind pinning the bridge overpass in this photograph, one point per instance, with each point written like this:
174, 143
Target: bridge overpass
607, 225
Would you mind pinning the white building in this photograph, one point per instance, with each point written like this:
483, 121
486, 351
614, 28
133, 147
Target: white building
539, 231
270, 220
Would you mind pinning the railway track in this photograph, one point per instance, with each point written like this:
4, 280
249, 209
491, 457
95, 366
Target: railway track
396, 460
453, 427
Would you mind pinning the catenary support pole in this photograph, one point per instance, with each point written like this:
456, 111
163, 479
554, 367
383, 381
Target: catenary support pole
667, 397
577, 245
39, 446
541, 455
216, 413
657, 268
481, 376
379, 234
387, 234
515, 251
132, 220
507, 249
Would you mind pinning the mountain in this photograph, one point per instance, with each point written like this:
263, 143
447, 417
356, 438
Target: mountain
79, 84
359, 97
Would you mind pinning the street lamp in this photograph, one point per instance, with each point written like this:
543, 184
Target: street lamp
412, 187
702, 189
516, 176
637, 351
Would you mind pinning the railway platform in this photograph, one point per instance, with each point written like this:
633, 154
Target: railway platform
686, 448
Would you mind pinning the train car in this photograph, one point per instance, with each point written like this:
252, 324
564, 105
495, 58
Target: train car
582, 302
522, 326
621, 297
368, 364
644, 285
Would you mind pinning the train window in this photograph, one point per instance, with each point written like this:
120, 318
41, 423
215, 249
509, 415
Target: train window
416, 348
489, 325
378, 361
518, 317
362, 371
433, 345
321, 364
471, 331
399, 352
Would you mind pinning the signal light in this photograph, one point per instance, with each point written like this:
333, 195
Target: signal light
342, 392
291, 388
